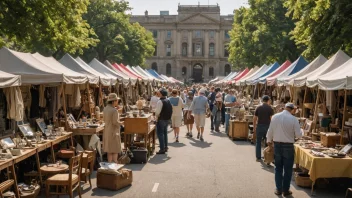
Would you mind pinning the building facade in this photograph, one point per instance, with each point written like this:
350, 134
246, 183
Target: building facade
190, 45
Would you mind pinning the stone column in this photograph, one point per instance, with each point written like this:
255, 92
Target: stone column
178, 43
189, 51
175, 44
162, 46
217, 43
206, 44
217, 69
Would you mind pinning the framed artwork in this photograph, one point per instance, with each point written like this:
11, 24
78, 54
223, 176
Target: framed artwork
26, 130
7, 143
71, 118
41, 124
308, 125
346, 149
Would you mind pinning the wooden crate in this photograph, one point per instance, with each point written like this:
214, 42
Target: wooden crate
329, 140
231, 128
240, 129
139, 125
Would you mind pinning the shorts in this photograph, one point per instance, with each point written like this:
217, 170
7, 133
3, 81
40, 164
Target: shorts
199, 119
176, 121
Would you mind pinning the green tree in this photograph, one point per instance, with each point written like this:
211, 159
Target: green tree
120, 41
323, 26
45, 26
260, 35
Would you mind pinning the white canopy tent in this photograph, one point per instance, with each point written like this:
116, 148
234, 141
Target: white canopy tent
75, 77
101, 68
334, 62
138, 68
9, 80
289, 80
31, 70
256, 75
104, 80
337, 78
72, 64
311, 79
144, 76
249, 74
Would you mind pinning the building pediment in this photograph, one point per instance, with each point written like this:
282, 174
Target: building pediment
198, 18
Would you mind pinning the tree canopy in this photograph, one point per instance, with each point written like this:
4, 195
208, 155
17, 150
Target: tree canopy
45, 26
323, 26
260, 35
120, 41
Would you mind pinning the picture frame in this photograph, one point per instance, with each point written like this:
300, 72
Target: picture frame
346, 148
307, 125
8, 142
26, 130
41, 124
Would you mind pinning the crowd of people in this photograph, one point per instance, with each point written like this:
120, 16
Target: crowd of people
192, 105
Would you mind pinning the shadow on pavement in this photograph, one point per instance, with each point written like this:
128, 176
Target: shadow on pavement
241, 142
218, 134
270, 168
135, 167
108, 193
177, 144
159, 159
200, 144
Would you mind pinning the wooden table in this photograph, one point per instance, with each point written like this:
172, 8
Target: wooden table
28, 152
322, 167
53, 169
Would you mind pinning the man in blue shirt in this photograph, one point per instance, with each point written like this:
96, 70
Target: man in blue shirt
230, 101
199, 108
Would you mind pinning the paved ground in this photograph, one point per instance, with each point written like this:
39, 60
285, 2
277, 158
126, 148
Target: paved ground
217, 167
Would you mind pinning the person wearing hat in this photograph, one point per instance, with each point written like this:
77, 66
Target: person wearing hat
188, 119
111, 135
163, 113
283, 130
199, 107
261, 122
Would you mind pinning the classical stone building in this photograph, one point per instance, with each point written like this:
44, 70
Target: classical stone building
190, 44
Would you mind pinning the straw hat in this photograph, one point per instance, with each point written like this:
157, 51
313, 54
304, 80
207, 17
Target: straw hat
112, 97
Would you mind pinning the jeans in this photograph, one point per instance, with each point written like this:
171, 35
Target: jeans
217, 120
211, 117
161, 130
284, 159
227, 123
223, 115
261, 129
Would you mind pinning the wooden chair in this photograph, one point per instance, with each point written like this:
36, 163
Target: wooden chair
5, 185
87, 166
70, 181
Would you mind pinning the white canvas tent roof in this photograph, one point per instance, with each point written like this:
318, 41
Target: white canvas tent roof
334, 62
144, 77
138, 68
256, 75
31, 70
249, 74
101, 68
337, 79
75, 78
9, 80
72, 64
104, 80
289, 80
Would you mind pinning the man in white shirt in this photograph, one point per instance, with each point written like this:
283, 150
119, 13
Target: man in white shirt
283, 130
176, 118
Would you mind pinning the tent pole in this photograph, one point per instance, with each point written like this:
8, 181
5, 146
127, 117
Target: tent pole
258, 90
303, 113
344, 116
316, 110
64, 105
88, 91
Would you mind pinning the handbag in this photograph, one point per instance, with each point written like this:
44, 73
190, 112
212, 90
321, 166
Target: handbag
125, 158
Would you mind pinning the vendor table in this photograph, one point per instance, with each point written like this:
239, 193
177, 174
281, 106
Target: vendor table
322, 167
28, 152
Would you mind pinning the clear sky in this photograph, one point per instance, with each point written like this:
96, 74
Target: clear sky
155, 6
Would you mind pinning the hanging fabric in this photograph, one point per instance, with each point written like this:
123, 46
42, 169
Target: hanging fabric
42, 100
15, 106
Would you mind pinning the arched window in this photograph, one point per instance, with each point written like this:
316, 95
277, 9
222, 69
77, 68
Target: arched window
168, 69
155, 67
184, 71
211, 49
211, 72
227, 69
184, 49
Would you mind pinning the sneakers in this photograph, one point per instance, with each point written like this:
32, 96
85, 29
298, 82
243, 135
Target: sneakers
201, 138
160, 152
166, 149
177, 139
287, 193
258, 160
187, 134
190, 134
198, 135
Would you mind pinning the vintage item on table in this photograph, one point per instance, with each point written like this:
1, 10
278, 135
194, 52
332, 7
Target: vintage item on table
329, 139
109, 168
41, 124
140, 105
26, 130
7, 143
97, 113
317, 154
116, 181
303, 180
346, 149
268, 155
139, 155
